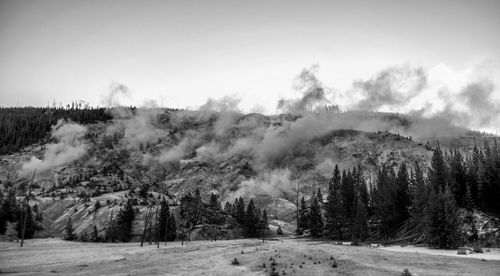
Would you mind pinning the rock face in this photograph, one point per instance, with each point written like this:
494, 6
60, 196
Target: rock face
253, 156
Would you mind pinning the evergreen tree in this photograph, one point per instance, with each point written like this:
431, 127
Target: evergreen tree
315, 218
303, 214
360, 225
319, 196
252, 218
333, 206
438, 175
214, 202
443, 228
123, 224
402, 194
70, 235
240, 210
228, 208
31, 226
172, 228
452, 234
263, 224
95, 234
419, 199
163, 218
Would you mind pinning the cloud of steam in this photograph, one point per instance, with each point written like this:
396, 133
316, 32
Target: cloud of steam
115, 93
176, 152
139, 129
226, 110
69, 147
313, 93
393, 86
273, 183
325, 168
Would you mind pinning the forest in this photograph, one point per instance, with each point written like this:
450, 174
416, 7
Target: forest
23, 126
403, 204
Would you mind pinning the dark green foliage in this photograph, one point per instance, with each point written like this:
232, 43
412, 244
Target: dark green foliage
27, 125
69, 231
419, 199
333, 206
443, 228
315, 219
438, 175
172, 228
214, 202
164, 220
264, 223
95, 235
303, 215
31, 225
240, 210
360, 225
122, 226
252, 220
279, 231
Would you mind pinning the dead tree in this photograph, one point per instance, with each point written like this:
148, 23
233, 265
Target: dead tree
26, 204
146, 222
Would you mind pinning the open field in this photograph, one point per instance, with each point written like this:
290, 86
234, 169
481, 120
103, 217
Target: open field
294, 257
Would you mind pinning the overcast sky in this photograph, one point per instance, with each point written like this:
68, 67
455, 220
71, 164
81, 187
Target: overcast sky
180, 53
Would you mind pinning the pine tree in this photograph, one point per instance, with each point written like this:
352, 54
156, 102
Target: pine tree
123, 223
95, 234
303, 214
315, 218
252, 218
31, 226
452, 234
214, 202
70, 235
438, 175
263, 224
163, 219
360, 225
333, 206
402, 196
172, 228
240, 210
443, 228
419, 199
319, 196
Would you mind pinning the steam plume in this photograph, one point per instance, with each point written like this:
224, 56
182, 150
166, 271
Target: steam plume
69, 147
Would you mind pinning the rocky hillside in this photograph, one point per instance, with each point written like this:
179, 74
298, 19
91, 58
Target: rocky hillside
176, 152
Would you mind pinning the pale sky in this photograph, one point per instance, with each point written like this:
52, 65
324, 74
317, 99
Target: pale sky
182, 52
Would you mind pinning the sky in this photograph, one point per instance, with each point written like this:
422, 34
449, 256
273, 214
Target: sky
180, 53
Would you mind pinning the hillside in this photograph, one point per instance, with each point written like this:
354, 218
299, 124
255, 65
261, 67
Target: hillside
225, 153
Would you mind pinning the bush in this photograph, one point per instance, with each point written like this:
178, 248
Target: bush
279, 231
406, 272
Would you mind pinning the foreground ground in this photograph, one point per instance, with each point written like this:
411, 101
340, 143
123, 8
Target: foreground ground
293, 257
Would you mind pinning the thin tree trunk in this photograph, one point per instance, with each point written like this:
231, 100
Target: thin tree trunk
27, 201
166, 227
146, 220
110, 223
157, 229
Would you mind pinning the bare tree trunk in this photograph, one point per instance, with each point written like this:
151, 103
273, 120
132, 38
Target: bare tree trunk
297, 209
166, 227
157, 229
110, 222
146, 221
27, 202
